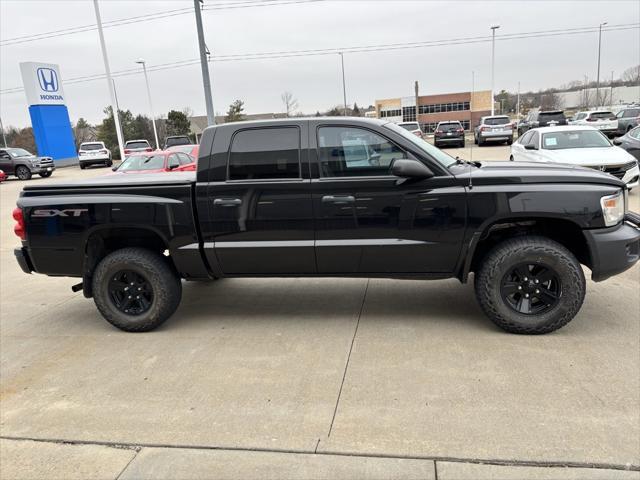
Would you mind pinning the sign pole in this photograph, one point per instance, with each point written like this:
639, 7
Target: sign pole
114, 106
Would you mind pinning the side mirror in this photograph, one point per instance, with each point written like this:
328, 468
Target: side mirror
406, 168
530, 146
617, 141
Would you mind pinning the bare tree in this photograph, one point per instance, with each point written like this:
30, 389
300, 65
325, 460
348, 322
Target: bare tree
631, 75
290, 103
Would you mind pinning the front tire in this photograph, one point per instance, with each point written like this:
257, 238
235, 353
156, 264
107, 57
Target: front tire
530, 285
135, 289
23, 173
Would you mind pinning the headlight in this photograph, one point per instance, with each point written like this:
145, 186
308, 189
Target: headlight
613, 208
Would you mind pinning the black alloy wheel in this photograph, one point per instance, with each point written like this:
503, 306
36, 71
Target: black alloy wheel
531, 288
130, 292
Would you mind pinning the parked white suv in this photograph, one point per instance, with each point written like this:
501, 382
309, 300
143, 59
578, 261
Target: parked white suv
603, 120
137, 146
94, 153
413, 127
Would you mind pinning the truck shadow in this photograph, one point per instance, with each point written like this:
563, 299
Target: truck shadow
261, 300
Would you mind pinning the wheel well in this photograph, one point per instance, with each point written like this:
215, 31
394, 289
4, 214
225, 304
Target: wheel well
102, 242
564, 232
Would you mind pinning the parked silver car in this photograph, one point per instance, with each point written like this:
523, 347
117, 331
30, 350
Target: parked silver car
496, 128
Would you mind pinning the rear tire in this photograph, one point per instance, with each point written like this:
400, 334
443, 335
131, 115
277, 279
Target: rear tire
23, 173
156, 287
511, 158
510, 141
82, 166
536, 258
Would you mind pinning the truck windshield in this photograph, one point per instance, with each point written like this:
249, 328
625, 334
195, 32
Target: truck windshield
574, 139
433, 152
142, 162
19, 152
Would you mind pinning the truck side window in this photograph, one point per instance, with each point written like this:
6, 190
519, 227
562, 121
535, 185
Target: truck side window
353, 152
263, 153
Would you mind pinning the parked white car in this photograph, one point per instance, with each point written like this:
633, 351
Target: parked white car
576, 145
92, 153
604, 120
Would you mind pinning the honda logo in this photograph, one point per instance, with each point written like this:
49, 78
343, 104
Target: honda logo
48, 79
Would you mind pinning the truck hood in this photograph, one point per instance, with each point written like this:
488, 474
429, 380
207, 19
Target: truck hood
496, 173
589, 157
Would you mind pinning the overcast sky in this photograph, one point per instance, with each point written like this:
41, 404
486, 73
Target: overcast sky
314, 80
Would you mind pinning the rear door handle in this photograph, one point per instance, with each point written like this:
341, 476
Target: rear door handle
338, 200
227, 202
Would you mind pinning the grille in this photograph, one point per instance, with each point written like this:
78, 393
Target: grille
616, 170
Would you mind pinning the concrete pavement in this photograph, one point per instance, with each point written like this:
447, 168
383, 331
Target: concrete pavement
308, 371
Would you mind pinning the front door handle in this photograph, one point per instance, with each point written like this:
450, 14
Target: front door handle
338, 199
227, 202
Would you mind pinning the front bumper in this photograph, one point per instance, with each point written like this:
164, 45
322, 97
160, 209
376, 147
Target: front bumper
22, 256
41, 168
614, 250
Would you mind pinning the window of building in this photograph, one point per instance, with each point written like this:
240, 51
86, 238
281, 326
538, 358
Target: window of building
408, 114
349, 152
263, 153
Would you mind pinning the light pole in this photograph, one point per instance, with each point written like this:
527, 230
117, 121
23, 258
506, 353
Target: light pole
611, 90
518, 104
114, 106
204, 66
153, 117
493, 61
344, 87
598, 78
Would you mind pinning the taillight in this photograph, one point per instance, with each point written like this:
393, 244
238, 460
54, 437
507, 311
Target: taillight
148, 149
484, 129
612, 118
103, 151
460, 130
591, 119
18, 228
126, 150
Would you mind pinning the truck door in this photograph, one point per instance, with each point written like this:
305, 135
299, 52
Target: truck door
369, 221
260, 213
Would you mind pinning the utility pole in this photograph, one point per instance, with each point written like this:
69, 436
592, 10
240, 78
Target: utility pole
518, 104
204, 66
473, 89
4, 138
493, 64
153, 117
114, 106
611, 90
344, 86
598, 78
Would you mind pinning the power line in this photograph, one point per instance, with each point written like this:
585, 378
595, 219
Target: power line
148, 17
333, 51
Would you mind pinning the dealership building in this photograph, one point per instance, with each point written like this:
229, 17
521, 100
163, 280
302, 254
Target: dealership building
428, 110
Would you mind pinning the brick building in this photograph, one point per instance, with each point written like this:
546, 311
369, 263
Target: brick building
465, 107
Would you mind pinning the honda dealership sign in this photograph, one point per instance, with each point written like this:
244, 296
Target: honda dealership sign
49, 115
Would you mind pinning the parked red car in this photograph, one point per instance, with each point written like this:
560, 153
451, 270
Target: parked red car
190, 150
155, 162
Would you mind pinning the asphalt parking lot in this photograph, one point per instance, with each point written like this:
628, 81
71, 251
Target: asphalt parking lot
313, 378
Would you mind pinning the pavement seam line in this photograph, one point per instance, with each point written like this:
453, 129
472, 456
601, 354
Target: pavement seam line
435, 470
346, 367
136, 451
484, 461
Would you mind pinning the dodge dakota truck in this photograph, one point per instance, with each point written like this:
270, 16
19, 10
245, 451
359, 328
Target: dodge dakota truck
295, 197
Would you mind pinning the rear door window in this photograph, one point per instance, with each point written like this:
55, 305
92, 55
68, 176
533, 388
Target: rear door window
632, 112
265, 153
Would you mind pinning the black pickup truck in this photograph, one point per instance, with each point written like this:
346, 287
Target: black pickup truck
333, 197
